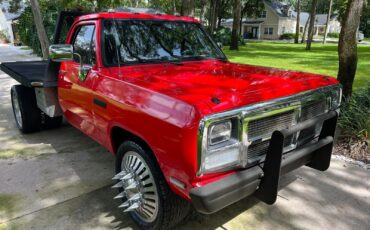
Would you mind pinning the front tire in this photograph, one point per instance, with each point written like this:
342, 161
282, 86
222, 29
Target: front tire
144, 191
26, 113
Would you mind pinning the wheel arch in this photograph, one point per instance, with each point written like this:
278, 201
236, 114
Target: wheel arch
118, 135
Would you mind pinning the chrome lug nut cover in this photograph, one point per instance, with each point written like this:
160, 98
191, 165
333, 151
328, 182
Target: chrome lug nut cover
139, 191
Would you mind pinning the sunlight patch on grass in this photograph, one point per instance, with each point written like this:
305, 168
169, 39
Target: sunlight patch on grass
322, 59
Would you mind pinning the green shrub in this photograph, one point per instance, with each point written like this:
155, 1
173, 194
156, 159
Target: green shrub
223, 35
3, 36
287, 36
354, 119
27, 29
333, 35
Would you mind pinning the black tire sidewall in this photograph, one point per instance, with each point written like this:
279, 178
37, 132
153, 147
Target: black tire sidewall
30, 114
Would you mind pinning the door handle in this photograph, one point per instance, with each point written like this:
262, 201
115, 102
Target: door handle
100, 103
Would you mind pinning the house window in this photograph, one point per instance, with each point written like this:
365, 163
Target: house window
263, 14
289, 13
269, 31
283, 30
301, 29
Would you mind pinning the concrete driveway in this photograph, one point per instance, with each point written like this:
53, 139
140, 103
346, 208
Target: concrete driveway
60, 179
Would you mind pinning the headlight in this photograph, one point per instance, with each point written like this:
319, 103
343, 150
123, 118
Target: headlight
221, 146
336, 98
219, 133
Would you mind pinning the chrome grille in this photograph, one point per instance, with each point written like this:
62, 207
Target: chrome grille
257, 150
259, 130
265, 126
312, 110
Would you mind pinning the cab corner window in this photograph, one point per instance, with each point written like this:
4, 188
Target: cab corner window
84, 45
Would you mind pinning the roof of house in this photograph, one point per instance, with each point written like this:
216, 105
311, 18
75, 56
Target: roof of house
280, 8
4, 7
320, 18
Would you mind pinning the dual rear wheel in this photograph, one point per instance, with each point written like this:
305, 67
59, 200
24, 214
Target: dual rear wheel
29, 118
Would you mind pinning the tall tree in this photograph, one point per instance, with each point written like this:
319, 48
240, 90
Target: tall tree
311, 28
44, 41
327, 22
203, 7
224, 9
236, 25
298, 8
187, 8
347, 48
213, 15
305, 30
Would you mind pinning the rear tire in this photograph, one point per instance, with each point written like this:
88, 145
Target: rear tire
25, 110
170, 208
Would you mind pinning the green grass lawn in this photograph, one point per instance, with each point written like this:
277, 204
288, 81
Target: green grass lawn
322, 59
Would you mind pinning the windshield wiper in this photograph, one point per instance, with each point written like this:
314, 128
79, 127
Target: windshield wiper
201, 57
173, 60
223, 59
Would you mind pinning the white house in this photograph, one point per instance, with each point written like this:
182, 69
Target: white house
279, 18
8, 20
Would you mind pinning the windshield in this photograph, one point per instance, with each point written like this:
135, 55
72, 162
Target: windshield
132, 41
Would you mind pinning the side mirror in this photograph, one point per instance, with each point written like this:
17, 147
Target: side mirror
61, 52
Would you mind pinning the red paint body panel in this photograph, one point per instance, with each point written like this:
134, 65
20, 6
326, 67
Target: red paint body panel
164, 103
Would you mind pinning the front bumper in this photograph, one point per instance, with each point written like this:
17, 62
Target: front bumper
263, 180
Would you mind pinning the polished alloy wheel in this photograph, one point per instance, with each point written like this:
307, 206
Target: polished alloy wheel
139, 192
17, 110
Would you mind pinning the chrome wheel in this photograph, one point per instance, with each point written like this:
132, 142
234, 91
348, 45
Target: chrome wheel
139, 192
17, 110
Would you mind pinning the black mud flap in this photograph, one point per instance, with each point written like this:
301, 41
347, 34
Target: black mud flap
316, 155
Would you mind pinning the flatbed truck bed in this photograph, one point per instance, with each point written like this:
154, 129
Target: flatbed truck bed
28, 73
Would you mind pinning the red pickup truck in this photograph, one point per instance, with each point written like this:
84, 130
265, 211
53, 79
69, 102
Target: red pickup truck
186, 126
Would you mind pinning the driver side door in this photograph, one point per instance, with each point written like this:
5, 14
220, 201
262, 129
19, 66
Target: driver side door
75, 86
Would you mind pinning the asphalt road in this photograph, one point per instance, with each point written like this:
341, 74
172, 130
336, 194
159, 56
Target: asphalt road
60, 179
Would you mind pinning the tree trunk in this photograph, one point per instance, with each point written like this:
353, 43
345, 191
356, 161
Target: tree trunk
44, 41
174, 7
311, 28
296, 38
203, 10
327, 22
135, 3
236, 25
187, 8
219, 19
213, 15
305, 30
347, 48
241, 24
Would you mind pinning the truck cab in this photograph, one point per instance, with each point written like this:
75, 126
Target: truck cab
186, 126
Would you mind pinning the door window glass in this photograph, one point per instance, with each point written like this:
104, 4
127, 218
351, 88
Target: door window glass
84, 44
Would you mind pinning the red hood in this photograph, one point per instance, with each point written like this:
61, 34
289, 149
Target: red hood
202, 83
